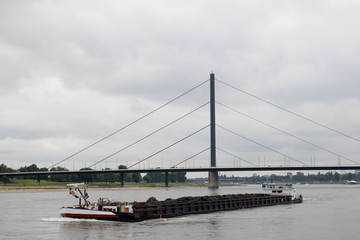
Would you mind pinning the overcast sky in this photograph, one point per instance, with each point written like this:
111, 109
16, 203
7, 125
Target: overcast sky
74, 71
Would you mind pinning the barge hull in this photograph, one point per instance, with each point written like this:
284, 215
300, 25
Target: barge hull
184, 206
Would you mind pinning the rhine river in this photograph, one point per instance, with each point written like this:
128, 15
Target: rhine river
328, 212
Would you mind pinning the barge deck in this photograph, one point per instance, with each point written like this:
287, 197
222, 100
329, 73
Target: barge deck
152, 208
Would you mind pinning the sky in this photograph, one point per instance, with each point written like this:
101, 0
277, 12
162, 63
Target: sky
73, 72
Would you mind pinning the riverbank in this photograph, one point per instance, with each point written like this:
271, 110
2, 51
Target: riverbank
47, 186
4, 189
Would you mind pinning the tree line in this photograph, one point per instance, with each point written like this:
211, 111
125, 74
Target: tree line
104, 177
329, 177
155, 177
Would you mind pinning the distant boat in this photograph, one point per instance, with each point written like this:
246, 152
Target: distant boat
350, 182
282, 189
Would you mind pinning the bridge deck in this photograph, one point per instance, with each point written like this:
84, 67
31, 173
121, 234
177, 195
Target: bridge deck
208, 169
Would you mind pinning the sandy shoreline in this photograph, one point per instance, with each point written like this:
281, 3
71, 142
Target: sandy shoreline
4, 189
29, 189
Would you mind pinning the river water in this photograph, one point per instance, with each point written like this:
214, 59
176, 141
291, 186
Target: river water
328, 212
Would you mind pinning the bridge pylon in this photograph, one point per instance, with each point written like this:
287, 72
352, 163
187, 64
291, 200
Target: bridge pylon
213, 179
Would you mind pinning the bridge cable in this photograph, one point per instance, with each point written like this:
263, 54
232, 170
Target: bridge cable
262, 145
152, 133
128, 125
190, 157
289, 134
169, 146
237, 157
286, 110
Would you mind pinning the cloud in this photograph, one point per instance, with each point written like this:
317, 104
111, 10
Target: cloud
73, 72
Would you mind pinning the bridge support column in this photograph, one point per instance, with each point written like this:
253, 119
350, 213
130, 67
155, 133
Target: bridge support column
166, 179
122, 179
213, 180
38, 179
79, 178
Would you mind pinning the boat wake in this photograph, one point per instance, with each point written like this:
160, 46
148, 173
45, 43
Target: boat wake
61, 219
156, 221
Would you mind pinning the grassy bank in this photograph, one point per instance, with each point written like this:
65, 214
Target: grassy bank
48, 184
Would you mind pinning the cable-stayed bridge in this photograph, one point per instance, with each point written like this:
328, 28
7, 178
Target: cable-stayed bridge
208, 145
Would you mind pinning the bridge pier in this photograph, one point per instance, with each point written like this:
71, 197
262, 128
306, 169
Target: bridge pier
213, 179
122, 179
79, 178
166, 179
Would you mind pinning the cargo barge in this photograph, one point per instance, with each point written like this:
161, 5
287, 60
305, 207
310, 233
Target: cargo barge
105, 209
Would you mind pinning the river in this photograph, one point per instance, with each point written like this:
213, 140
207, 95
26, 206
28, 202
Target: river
328, 212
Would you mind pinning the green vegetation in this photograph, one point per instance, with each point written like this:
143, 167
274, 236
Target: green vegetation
157, 179
329, 177
4, 169
32, 182
23, 183
108, 178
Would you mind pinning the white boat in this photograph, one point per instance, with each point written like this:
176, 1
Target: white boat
104, 209
282, 189
350, 182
